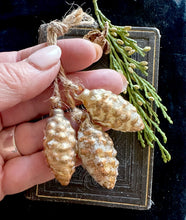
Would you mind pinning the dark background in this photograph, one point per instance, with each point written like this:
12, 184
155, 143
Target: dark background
19, 22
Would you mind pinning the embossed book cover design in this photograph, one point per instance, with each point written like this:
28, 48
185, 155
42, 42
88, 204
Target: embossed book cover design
134, 182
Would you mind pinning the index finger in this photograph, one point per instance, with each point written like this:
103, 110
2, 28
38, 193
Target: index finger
77, 54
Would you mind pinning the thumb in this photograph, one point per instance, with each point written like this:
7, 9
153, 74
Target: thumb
28, 78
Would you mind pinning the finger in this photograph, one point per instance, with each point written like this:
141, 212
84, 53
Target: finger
94, 79
77, 54
24, 172
29, 137
103, 78
26, 79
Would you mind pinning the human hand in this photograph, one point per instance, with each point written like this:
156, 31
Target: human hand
25, 79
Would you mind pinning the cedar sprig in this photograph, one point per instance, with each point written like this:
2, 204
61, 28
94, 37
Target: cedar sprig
141, 93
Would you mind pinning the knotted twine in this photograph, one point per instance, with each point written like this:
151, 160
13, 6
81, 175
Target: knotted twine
54, 30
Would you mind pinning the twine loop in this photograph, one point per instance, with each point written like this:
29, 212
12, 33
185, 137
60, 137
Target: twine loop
54, 30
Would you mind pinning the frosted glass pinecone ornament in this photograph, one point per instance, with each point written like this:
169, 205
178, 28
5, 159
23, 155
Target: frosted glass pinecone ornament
111, 110
60, 146
96, 150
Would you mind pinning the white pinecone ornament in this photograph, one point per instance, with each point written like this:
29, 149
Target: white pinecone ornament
96, 150
111, 110
60, 146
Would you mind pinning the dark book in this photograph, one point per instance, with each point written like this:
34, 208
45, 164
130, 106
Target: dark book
134, 183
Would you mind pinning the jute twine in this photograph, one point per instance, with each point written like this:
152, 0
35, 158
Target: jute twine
54, 30
59, 28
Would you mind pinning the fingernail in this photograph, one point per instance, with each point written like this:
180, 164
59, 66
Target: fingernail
125, 84
124, 80
45, 57
99, 52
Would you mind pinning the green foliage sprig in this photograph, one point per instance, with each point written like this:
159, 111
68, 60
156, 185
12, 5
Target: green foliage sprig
140, 92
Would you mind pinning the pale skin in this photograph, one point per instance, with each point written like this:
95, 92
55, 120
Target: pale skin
25, 89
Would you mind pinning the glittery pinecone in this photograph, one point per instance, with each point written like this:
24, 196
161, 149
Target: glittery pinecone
111, 110
96, 150
60, 146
